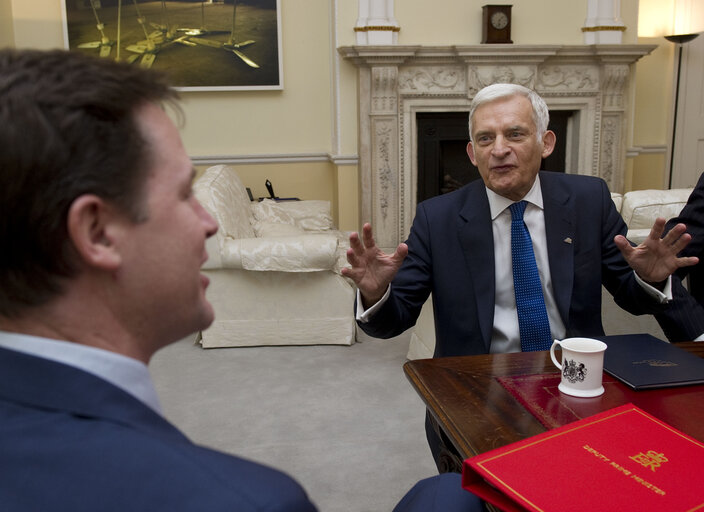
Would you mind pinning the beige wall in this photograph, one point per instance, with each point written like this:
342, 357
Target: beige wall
7, 32
652, 115
312, 122
294, 120
460, 22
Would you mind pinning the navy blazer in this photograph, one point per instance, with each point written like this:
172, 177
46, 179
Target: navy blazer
684, 320
72, 441
451, 254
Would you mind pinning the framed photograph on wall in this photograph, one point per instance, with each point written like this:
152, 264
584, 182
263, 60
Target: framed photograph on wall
203, 45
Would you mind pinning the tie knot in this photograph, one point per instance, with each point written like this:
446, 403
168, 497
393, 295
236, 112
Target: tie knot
517, 210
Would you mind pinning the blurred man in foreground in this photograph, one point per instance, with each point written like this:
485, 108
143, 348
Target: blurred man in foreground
102, 243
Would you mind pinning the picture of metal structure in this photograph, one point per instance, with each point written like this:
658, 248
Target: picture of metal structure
182, 38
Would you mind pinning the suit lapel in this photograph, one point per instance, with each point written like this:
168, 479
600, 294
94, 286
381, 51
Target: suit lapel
477, 241
560, 234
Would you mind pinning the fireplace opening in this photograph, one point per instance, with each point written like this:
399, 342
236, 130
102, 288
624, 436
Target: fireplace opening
443, 164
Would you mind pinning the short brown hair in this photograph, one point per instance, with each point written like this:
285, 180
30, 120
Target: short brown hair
67, 128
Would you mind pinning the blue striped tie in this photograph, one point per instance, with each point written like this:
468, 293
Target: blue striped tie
533, 322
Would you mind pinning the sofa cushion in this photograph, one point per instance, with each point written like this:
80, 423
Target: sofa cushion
311, 215
222, 193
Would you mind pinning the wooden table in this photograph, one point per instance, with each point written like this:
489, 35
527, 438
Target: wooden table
475, 411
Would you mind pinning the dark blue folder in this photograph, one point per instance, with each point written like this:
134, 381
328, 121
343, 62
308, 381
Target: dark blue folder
642, 361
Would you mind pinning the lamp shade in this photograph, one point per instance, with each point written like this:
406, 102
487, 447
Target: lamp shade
658, 18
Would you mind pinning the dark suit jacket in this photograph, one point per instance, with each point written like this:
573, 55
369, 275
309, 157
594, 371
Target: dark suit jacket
684, 320
451, 254
72, 441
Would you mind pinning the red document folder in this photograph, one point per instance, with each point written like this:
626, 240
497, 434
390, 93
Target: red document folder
623, 459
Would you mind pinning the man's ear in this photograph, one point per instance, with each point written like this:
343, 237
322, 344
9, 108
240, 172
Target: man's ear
549, 139
470, 152
92, 227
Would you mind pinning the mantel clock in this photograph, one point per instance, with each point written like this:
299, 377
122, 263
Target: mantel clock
496, 24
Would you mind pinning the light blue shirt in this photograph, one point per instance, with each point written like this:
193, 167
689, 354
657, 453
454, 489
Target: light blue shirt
126, 373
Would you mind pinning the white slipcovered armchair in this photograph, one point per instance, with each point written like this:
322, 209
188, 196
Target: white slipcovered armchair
274, 269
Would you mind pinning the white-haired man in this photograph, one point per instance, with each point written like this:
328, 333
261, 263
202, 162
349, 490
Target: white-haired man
461, 248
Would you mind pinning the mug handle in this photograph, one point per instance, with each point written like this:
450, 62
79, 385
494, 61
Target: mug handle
552, 353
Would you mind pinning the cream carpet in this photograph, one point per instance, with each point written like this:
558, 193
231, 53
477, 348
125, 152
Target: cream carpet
344, 421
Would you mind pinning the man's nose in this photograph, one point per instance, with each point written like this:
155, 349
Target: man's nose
500, 148
211, 225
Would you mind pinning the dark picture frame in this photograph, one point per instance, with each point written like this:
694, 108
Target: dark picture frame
214, 45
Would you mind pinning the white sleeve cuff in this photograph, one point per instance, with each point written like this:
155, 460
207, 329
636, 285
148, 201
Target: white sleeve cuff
365, 315
660, 296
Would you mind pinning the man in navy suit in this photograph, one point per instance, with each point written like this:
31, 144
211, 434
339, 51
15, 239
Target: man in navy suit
102, 243
684, 321
459, 247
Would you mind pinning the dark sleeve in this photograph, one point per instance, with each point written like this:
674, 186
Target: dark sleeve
684, 319
692, 215
440, 493
410, 287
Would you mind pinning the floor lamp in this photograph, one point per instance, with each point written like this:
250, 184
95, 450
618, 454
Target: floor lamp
679, 40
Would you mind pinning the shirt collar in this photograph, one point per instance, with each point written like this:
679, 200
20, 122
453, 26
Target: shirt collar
126, 373
497, 203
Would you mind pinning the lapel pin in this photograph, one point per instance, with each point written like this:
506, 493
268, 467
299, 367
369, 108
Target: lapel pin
567, 240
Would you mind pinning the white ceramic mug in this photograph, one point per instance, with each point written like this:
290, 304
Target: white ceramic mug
582, 366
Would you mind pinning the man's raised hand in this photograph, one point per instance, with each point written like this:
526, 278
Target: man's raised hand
656, 258
371, 269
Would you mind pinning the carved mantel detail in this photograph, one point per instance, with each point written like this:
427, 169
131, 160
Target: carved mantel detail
396, 82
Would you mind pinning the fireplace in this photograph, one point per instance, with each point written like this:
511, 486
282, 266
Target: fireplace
443, 164
399, 85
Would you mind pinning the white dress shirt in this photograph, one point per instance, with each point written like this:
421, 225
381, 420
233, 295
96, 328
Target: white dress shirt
126, 373
505, 336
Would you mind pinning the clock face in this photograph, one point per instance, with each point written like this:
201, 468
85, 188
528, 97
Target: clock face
499, 20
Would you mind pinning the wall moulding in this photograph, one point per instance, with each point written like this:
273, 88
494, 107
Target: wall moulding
396, 82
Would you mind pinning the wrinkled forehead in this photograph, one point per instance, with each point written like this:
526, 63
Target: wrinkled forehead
503, 113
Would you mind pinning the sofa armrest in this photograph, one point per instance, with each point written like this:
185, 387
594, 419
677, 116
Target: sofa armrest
306, 253
212, 247
641, 207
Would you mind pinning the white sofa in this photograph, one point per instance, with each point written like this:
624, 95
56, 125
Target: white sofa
274, 269
639, 209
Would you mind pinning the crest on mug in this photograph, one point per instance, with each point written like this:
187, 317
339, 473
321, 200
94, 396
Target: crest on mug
574, 371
